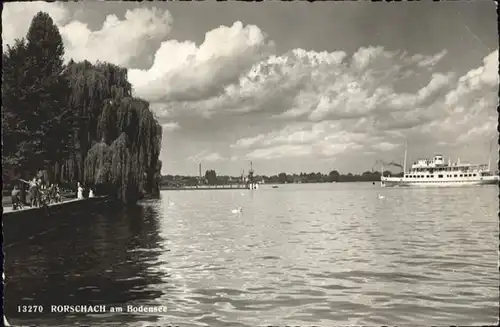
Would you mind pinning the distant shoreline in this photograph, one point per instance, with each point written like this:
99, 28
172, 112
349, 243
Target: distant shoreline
175, 181
244, 187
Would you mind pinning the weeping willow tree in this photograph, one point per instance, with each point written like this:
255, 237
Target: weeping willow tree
76, 122
118, 138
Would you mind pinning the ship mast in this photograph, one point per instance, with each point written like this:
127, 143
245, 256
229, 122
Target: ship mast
404, 163
489, 156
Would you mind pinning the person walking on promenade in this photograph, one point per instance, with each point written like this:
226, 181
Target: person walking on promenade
58, 197
33, 190
38, 192
16, 201
79, 193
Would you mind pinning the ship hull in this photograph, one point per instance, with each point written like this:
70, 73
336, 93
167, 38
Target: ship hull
442, 182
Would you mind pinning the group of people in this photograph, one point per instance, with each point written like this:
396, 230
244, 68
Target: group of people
41, 194
79, 192
38, 192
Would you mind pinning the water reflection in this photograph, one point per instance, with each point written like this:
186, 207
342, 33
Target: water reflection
85, 258
298, 255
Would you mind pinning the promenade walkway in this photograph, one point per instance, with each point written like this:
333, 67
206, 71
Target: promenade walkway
8, 209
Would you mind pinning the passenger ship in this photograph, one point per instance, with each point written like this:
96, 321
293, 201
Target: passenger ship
436, 172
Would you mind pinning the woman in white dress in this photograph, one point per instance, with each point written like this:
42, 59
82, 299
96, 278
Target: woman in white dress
79, 193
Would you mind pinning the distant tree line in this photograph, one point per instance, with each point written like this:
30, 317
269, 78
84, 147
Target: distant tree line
211, 178
76, 121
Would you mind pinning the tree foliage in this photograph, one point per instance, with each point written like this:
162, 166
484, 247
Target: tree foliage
211, 177
118, 136
37, 123
78, 120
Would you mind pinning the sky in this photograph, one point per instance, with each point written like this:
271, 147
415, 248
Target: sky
296, 87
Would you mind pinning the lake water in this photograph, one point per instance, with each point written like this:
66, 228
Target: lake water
308, 255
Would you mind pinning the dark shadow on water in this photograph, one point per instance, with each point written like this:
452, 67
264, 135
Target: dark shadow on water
83, 258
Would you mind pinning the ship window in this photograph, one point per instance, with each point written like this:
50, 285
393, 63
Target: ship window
455, 175
440, 176
475, 175
461, 175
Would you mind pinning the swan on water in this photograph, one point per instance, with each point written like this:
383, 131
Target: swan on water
237, 210
170, 203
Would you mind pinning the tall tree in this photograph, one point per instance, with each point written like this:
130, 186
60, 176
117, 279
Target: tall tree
17, 119
211, 177
80, 120
282, 177
48, 91
333, 176
37, 125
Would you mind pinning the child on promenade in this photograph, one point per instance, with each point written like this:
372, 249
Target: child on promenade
16, 201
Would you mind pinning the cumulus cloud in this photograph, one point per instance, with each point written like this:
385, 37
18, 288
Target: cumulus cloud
280, 151
459, 110
323, 139
118, 41
17, 16
431, 61
473, 85
308, 103
302, 85
470, 114
183, 71
206, 156
171, 126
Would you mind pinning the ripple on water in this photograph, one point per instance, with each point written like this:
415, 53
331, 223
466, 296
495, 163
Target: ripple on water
326, 255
